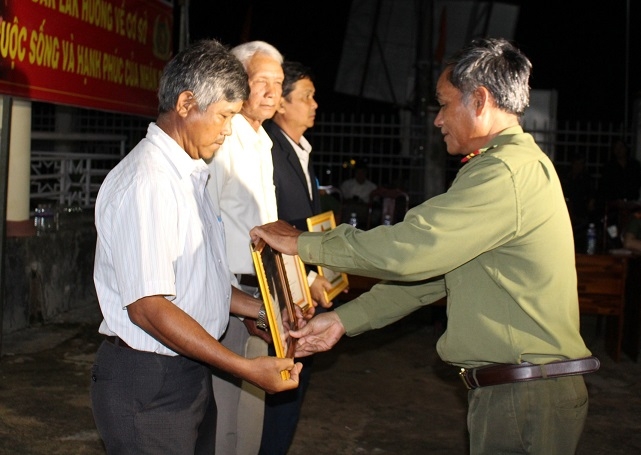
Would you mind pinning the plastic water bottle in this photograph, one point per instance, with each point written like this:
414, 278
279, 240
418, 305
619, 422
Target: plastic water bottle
45, 219
591, 237
353, 219
38, 220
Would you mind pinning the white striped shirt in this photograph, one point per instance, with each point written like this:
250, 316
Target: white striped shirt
157, 235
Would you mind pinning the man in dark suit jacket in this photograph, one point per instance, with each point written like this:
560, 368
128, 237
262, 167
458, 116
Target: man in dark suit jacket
297, 198
294, 200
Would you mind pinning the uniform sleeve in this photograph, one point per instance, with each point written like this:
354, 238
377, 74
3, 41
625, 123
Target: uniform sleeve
386, 303
478, 213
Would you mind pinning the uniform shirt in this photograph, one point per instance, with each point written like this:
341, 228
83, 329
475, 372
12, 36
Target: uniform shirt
498, 243
157, 236
242, 189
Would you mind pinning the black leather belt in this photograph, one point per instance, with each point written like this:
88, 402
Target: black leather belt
248, 280
118, 342
503, 374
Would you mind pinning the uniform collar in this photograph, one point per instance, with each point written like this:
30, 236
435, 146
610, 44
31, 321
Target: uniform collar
500, 139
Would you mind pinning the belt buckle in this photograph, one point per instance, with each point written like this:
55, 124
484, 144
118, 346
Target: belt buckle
463, 375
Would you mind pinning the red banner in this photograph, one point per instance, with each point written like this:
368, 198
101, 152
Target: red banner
99, 54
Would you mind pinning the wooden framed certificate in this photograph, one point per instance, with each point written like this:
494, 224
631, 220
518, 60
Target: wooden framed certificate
297, 281
320, 223
279, 305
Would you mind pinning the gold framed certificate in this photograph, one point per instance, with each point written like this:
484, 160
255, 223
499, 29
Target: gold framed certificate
279, 305
320, 223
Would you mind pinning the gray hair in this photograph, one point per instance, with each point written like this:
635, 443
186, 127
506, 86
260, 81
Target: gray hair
496, 64
244, 52
209, 70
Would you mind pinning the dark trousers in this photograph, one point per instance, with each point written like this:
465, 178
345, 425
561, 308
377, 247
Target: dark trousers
282, 411
145, 403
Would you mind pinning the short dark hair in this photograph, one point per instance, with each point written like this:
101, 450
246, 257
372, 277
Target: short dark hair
294, 72
206, 68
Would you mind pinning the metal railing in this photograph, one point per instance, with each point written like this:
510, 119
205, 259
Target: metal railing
70, 178
393, 149
398, 152
413, 157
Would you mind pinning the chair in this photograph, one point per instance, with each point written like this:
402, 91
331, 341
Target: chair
331, 198
387, 202
601, 284
618, 214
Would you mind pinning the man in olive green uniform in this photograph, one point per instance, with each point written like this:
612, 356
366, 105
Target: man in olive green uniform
498, 244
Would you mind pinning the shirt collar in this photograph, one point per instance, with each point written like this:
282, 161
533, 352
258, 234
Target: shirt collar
246, 133
303, 144
501, 139
504, 136
184, 164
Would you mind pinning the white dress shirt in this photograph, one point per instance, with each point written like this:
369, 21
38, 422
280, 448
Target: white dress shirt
351, 188
157, 235
303, 149
242, 189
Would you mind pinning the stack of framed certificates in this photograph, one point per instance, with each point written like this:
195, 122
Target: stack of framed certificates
283, 285
278, 291
321, 223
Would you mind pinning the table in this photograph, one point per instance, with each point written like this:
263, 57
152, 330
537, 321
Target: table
603, 282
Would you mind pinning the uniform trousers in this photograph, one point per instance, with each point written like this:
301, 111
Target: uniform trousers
146, 403
540, 417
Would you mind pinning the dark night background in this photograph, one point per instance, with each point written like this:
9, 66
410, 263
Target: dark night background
577, 48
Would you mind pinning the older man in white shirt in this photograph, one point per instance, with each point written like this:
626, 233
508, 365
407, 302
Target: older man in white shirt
242, 189
161, 274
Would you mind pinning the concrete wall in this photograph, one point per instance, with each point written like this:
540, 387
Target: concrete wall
50, 274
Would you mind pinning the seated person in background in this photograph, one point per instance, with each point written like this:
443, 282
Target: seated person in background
578, 190
358, 187
621, 178
632, 234
331, 200
356, 193
580, 197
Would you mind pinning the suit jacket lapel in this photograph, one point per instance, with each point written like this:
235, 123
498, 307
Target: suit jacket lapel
292, 159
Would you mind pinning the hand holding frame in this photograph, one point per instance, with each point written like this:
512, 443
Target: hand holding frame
320, 334
279, 235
